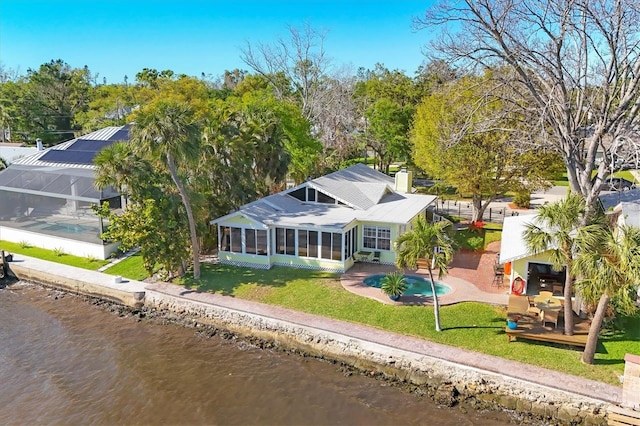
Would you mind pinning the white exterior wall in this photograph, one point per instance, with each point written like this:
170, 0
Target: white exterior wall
68, 246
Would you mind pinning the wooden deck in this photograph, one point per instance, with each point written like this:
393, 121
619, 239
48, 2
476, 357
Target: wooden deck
619, 416
531, 328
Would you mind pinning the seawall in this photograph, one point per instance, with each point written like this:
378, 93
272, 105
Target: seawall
449, 375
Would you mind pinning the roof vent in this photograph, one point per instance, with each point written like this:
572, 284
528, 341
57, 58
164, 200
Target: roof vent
39, 144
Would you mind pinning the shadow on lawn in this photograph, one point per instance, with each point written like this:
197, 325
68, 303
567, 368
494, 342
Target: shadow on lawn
224, 279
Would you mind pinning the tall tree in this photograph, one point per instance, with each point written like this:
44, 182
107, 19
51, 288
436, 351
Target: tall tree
167, 130
153, 218
575, 71
555, 229
468, 137
301, 60
53, 95
386, 102
298, 69
387, 132
431, 242
607, 265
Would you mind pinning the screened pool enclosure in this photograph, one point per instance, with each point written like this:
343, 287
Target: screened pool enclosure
53, 201
46, 199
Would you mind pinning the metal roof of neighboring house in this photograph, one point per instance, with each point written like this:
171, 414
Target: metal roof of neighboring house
64, 154
284, 210
611, 199
62, 171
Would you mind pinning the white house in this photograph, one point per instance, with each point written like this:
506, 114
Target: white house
326, 223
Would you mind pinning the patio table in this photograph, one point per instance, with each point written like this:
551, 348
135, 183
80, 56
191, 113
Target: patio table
547, 304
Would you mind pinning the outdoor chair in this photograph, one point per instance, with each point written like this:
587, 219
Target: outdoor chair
552, 317
376, 257
532, 309
498, 276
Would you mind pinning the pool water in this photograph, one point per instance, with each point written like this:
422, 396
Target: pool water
416, 286
67, 228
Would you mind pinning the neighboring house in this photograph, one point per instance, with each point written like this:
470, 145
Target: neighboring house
12, 151
326, 223
47, 197
533, 271
622, 207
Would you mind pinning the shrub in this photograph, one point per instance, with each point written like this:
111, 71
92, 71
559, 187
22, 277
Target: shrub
394, 284
522, 200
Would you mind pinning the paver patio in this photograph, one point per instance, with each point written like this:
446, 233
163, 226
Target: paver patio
470, 278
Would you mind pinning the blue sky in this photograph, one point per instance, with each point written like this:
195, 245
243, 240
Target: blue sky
117, 38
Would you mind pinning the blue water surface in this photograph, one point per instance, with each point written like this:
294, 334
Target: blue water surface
416, 286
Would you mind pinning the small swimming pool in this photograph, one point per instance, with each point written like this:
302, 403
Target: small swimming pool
416, 286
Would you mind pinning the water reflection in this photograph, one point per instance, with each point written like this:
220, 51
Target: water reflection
63, 360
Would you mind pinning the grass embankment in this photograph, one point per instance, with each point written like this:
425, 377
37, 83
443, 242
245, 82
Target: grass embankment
131, 267
52, 255
474, 326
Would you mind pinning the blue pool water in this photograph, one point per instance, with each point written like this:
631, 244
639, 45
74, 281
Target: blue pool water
416, 286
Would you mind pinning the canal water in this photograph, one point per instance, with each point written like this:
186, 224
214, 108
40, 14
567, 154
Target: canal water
66, 361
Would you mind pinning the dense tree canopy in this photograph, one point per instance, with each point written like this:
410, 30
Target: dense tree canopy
44, 103
464, 136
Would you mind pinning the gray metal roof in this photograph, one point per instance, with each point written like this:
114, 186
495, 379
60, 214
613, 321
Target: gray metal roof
358, 186
610, 200
110, 133
367, 184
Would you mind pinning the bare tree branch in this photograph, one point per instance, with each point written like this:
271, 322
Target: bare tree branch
578, 61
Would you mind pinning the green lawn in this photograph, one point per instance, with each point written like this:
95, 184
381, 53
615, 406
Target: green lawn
468, 239
131, 268
52, 255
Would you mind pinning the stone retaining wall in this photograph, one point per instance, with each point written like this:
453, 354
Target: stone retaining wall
448, 383
25, 273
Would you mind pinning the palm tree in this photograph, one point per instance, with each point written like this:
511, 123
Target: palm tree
167, 130
608, 264
120, 167
555, 230
431, 242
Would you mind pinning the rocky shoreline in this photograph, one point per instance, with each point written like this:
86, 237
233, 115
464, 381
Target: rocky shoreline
447, 384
